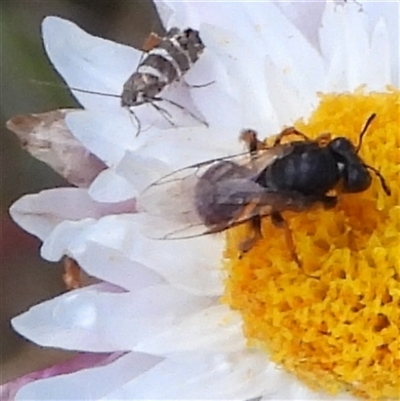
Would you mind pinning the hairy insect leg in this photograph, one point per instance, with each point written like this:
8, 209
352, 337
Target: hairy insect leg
72, 274
323, 139
139, 127
328, 201
165, 114
278, 220
181, 108
199, 86
251, 214
287, 132
247, 244
249, 137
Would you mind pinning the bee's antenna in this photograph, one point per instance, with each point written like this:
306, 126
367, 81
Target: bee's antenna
58, 85
364, 130
382, 180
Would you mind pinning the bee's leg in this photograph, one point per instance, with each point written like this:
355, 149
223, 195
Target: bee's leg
278, 220
247, 244
323, 139
72, 274
287, 132
329, 202
249, 137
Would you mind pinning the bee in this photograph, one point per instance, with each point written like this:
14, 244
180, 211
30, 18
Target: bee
215, 195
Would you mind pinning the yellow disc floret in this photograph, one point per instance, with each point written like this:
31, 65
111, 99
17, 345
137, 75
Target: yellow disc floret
339, 331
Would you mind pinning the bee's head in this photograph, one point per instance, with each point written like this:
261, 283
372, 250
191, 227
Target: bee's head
353, 171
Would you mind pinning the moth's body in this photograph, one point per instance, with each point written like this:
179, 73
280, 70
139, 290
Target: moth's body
165, 63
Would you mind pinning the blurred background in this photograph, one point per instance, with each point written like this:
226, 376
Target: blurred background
26, 279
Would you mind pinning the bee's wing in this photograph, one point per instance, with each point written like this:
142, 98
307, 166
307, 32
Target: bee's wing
168, 205
206, 197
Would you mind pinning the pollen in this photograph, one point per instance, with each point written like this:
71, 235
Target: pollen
334, 322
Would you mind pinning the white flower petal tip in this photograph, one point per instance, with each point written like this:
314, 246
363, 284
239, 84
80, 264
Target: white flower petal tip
46, 137
9, 390
88, 62
352, 46
106, 134
215, 329
56, 245
140, 171
64, 322
240, 375
39, 214
110, 187
110, 265
72, 320
79, 385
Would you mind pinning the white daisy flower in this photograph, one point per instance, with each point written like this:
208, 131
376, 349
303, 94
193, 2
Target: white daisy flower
184, 329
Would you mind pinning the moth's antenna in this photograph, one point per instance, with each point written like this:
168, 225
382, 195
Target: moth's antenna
57, 85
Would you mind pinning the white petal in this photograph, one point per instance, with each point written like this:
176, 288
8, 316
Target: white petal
88, 62
289, 103
215, 329
288, 48
55, 246
211, 76
106, 134
305, 15
379, 68
239, 376
177, 13
179, 148
140, 171
287, 387
89, 384
345, 42
110, 265
182, 263
39, 214
111, 187
245, 73
390, 12
92, 320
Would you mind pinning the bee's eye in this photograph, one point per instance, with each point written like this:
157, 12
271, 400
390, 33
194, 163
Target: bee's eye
342, 146
356, 178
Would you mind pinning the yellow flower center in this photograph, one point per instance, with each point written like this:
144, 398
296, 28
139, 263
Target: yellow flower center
341, 331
